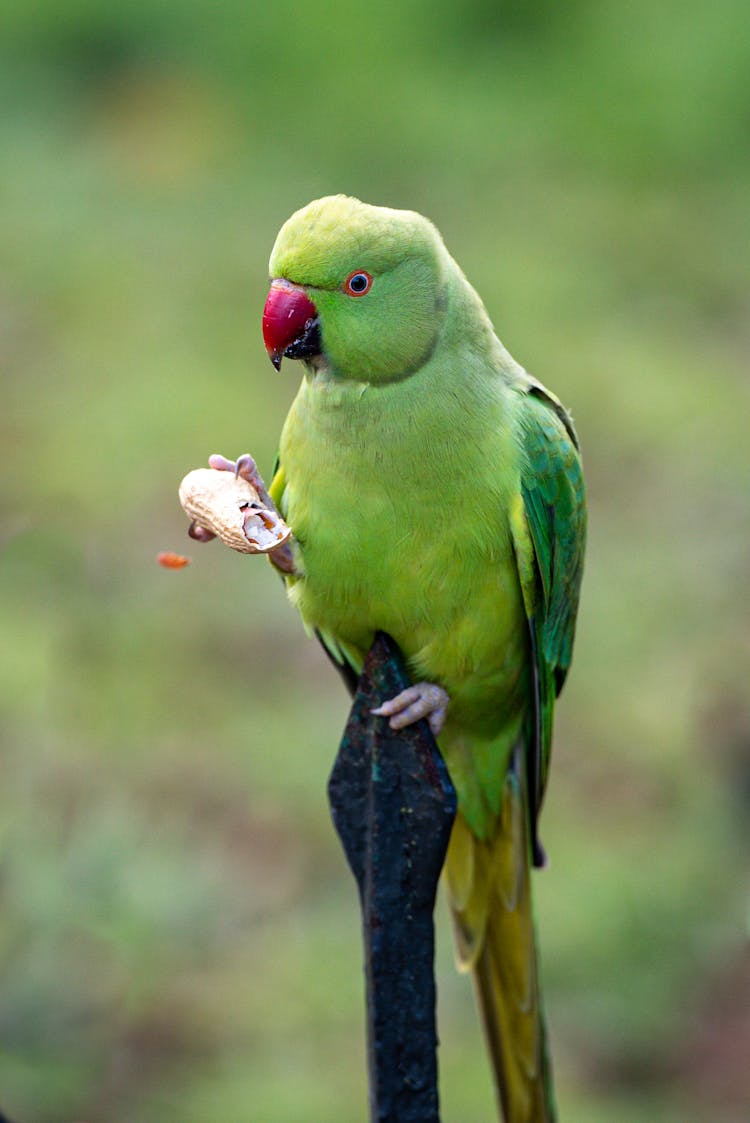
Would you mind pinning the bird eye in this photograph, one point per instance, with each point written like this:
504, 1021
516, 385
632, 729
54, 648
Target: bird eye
358, 283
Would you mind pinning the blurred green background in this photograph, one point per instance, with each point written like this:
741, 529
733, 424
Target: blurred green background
180, 937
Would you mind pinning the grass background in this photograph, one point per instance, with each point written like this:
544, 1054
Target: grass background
179, 936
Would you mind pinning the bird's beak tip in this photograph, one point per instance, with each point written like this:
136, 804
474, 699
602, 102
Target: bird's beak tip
287, 316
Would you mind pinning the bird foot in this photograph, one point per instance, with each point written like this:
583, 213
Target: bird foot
246, 467
200, 533
424, 699
256, 521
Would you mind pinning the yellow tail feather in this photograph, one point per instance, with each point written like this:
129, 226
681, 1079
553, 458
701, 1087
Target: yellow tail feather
489, 892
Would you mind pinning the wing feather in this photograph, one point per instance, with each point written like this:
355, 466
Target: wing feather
549, 533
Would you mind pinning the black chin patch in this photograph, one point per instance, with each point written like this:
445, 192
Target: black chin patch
306, 345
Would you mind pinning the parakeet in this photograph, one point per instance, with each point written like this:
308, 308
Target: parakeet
435, 492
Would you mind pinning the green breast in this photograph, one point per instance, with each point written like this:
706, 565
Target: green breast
398, 499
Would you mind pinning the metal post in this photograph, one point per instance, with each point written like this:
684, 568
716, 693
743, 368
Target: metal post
393, 806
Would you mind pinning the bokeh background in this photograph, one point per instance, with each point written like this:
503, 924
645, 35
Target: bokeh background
179, 936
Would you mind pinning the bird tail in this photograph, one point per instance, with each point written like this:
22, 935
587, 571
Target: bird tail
489, 892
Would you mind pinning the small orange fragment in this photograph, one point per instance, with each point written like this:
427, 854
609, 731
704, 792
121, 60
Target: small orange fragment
172, 561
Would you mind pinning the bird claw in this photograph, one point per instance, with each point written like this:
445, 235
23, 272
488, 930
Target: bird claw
200, 533
422, 700
245, 467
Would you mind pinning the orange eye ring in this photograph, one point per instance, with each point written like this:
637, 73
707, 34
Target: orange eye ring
358, 283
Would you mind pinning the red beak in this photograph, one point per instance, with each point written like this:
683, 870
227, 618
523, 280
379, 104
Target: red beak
287, 315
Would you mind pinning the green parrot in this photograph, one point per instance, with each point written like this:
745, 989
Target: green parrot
435, 492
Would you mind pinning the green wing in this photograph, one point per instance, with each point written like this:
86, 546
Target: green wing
549, 531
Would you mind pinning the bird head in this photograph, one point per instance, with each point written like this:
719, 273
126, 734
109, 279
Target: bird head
358, 288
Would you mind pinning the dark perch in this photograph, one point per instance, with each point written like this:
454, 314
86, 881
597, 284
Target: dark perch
393, 806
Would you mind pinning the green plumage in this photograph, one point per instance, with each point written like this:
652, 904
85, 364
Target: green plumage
435, 492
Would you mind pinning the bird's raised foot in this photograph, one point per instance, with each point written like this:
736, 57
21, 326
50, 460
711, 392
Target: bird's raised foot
245, 467
261, 522
422, 700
